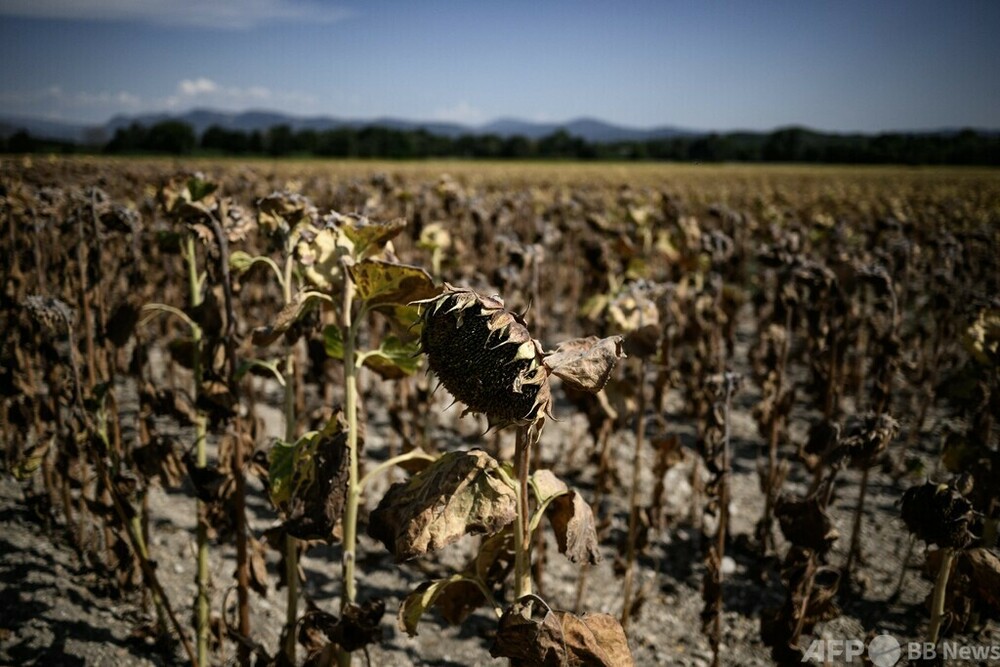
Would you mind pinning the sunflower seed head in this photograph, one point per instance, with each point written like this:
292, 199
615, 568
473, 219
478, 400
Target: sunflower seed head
484, 355
938, 514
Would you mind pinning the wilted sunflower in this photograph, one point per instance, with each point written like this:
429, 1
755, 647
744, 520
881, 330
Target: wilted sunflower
486, 358
938, 514
484, 355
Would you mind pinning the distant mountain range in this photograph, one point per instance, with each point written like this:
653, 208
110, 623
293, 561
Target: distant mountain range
590, 129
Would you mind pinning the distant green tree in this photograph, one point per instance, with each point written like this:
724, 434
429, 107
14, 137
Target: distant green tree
127, 139
280, 140
170, 136
230, 142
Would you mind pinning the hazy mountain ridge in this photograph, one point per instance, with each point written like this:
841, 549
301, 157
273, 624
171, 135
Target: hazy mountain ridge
590, 129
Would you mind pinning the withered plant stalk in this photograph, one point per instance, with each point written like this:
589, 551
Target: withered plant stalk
937, 598
291, 543
201, 460
239, 500
522, 529
350, 519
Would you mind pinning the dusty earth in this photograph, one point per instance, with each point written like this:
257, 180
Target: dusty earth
56, 610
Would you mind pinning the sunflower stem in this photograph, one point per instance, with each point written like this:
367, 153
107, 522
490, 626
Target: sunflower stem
350, 519
291, 543
201, 460
937, 599
522, 529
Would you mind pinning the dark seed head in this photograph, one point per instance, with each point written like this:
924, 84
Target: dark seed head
485, 356
938, 514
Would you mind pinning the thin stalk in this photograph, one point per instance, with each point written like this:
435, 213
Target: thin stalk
724, 497
765, 535
201, 460
140, 543
937, 599
350, 519
522, 529
135, 537
239, 501
633, 517
853, 552
389, 463
291, 543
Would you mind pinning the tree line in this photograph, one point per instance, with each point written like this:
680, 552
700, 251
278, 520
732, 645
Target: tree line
965, 147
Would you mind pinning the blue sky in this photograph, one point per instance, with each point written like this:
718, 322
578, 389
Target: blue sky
845, 65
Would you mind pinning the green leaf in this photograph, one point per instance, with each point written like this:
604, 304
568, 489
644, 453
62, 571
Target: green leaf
333, 342
395, 359
200, 188
281, 467
240, 261
381, 283
420, 600
308, 481
404, 320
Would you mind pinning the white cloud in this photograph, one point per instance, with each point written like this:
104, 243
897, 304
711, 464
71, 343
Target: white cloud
218, 14
206, 92
55, 102
197, 86
463, 112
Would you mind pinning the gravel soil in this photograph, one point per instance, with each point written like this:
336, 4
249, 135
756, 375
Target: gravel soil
57, 609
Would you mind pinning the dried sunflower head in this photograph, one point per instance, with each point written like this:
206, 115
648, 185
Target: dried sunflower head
938, 514
484, 355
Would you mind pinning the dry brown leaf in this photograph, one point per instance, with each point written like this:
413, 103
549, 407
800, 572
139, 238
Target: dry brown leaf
586, 364
573, 523
460, 493
531, 634
299, 306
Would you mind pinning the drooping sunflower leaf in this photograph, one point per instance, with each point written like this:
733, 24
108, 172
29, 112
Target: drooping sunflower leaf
416, 604
394, 358
369, 237
573, 523
333, 341
300, 305
585, 364
531, 633
260, 366
460, 493
383, 284
309, 481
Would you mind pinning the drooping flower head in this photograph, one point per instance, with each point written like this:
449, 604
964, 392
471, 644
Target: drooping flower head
484, 355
